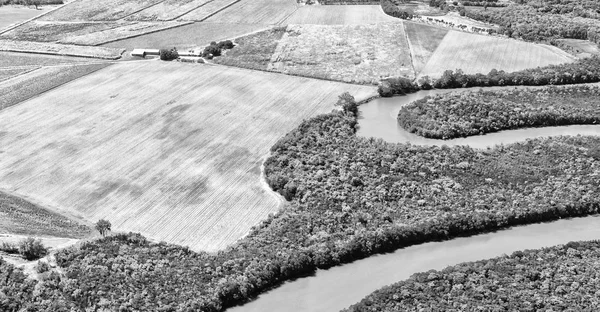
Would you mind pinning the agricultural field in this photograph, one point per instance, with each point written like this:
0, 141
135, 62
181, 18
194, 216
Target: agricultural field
19, 216
208, 10
168, 10
36, 82
474, 53
256, 12
340, 15
579, 48
121, 32
351, 53
15, 59
41, 31
188, 36
253, 51
60, 49
11, 15
7, 73
423, 41
91, 10
153, 151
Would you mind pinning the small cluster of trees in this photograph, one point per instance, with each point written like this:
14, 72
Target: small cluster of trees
391, 9
215, 49
449, 116
35, 3
29, 248
168, 54
561, 278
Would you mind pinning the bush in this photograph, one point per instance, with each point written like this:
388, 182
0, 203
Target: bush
42, 267
215, 49
169, 54
9, 248
32, 249
393, 86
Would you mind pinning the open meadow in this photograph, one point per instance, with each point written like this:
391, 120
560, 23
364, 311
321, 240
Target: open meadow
171, 150
423, 41
11, 15
256, 12
474, 53
340, 15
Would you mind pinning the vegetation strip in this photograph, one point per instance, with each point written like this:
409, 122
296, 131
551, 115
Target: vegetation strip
450, 115
563, 277
60, 49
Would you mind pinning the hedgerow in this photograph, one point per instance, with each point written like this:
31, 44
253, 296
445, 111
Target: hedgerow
454, 115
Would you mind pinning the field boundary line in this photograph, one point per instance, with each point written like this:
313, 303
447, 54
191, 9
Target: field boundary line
9, 28
65, 54
411, 52
27, 70
188, 11
215, 12
146, 33
140, 10
288, 16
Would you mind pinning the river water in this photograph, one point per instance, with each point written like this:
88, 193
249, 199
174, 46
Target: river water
339, 287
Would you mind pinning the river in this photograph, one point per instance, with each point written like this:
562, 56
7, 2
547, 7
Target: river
339, 287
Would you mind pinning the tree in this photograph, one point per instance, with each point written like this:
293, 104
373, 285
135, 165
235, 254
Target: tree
32, 249
103, 226
348, 104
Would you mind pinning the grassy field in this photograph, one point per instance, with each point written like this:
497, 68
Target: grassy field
7, 73
207, 10
253, 51
168, 10
423, 41
188, 36
60, 49
479, 54
167, 149
350, 53
18, 216
35, 82
92, 10
339, 15
256, 12
10, 15
122, 32
15, 59
581, 48
53, 31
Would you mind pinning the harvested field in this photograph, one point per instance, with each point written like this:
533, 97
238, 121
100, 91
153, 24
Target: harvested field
122, 32
33, 83
208, 10
423, 41
171, 150
7, 73
188, 36
19, 216
92, 10
351, 53
15, 59
479, 54
60, 49
340, 15
253, 51
168, 10
10, 15
580, 48
53, 31
256, 12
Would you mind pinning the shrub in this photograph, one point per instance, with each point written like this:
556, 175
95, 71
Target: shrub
9, 248
42, 267
398, 85
169, 54
32, 249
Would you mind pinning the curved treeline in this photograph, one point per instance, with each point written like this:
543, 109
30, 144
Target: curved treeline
585, 70
351, 197
455, 115
560, 278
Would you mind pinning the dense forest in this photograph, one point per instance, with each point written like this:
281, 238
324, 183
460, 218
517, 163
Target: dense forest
561, 278
585, 70
350, 197
454, 115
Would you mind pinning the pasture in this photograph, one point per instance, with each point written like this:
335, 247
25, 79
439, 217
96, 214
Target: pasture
171, 150
351, 53
423, 41
339, 15
253, 51
474, 53
256, 12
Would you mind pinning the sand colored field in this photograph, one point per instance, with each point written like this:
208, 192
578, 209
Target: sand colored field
168, 10
479, 54
256, 12
93, 10
339, 15
423, 41
171, 150
349, 53
209, 9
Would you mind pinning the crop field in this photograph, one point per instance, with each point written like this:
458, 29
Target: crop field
60, 49
15, 59
581, 48
10, 15
351, 53
167, 10
53, 31
7, 73
171, 150
423, 41
188, 36
480, 54
207, 10
18, 216
122, 32
35, 82
256, 12
340, 15
253, 51
91, 10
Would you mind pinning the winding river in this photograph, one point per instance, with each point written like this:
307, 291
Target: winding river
339, 287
